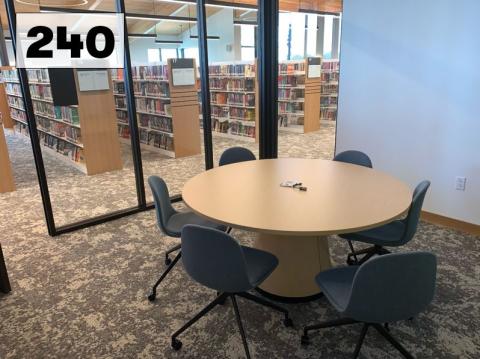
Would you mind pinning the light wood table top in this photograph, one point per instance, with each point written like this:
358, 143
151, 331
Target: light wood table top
341, 197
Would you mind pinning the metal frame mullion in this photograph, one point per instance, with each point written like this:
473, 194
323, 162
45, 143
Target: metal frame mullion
205, 82
32, 125
268, 77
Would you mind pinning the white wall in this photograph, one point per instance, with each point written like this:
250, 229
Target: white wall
410, 95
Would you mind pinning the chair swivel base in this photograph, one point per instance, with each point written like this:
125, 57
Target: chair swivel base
287, 321
383, 330
368, 253
153, 294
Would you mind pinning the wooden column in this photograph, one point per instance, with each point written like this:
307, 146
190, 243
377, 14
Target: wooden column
6, 176
185, 114
313, 88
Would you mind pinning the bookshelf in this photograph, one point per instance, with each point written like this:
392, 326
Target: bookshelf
233, 100
6, 176
83, 136
167, 115
329, 95
298, 98
4, 109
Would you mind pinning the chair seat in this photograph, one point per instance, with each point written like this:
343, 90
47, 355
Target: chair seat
336, 284
260, 264
179, 220
389, 235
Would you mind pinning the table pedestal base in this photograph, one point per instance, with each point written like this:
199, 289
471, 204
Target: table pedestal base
300, 260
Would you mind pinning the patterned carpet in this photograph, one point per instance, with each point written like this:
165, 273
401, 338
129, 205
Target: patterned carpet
83, 295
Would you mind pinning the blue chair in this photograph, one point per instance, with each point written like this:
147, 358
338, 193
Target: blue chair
356, 158
235, 155
393, 234
385, 289
171, 223
215, 260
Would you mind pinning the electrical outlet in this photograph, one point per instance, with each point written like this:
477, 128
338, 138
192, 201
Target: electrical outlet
460, 183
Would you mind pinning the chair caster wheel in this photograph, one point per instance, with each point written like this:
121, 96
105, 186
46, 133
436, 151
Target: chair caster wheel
351, 262
152, 296
168, 261
176, 344
387, 327
305, 340
288, 322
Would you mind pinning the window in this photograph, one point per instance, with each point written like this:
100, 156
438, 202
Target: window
291, 34
247, 42
153, 55
328, 36
191, 53
311, 46
168, 54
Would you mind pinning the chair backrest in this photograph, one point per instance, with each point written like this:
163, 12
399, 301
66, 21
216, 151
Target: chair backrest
163, 207
214, 259
413, 216
236, 154
354, 157
392, 287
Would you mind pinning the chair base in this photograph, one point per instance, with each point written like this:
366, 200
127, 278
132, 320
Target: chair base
153, 294
352, 258
384, 331
177, 344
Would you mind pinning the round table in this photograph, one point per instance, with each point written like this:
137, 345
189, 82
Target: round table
293, 224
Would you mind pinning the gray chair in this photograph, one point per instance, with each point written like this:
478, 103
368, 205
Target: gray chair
171, 223
235, 155
385, 289
393, 234
215, 260
356, 158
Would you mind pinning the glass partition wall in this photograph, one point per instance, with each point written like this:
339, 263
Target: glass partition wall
164, 133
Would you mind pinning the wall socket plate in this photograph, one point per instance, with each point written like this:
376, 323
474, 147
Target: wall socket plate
460, 183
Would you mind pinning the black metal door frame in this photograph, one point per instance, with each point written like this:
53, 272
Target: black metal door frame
268, 127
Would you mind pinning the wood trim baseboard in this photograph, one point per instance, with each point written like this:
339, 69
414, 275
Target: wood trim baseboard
466, 227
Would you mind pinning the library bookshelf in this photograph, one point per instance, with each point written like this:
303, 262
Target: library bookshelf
83, 136
167, 115
329, 94
7, 183
298, 98
4, 109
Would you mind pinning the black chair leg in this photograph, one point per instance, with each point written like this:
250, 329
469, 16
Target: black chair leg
360, 341
167, 258
393, 341
240, 326
332, 323
287, 321
153, 294
229, 229
352, 254
177, 344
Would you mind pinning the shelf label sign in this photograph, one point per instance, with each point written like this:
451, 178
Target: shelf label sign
73, 40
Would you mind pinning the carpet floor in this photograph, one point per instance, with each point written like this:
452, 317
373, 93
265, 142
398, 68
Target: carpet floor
83, 295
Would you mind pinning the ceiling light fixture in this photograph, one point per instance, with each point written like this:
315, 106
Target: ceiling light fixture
60, 3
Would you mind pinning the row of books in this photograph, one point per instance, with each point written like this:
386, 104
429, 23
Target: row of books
158, 89
66, 149
156, 139
10, 75
330, 76
123, 132
18, 114
290, 81
239, 129
288, 121
288, 68
150, 72
156, 106
43, 108
15, 101
43, 92
13, 88
119, 87
331, 66
329, 88
238, 113
58, 129
38, 75
232, 84
291, 94
155, 122
328, 101
67, 114
239, 99
240, 70
122, 116
329, 114
290, 107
